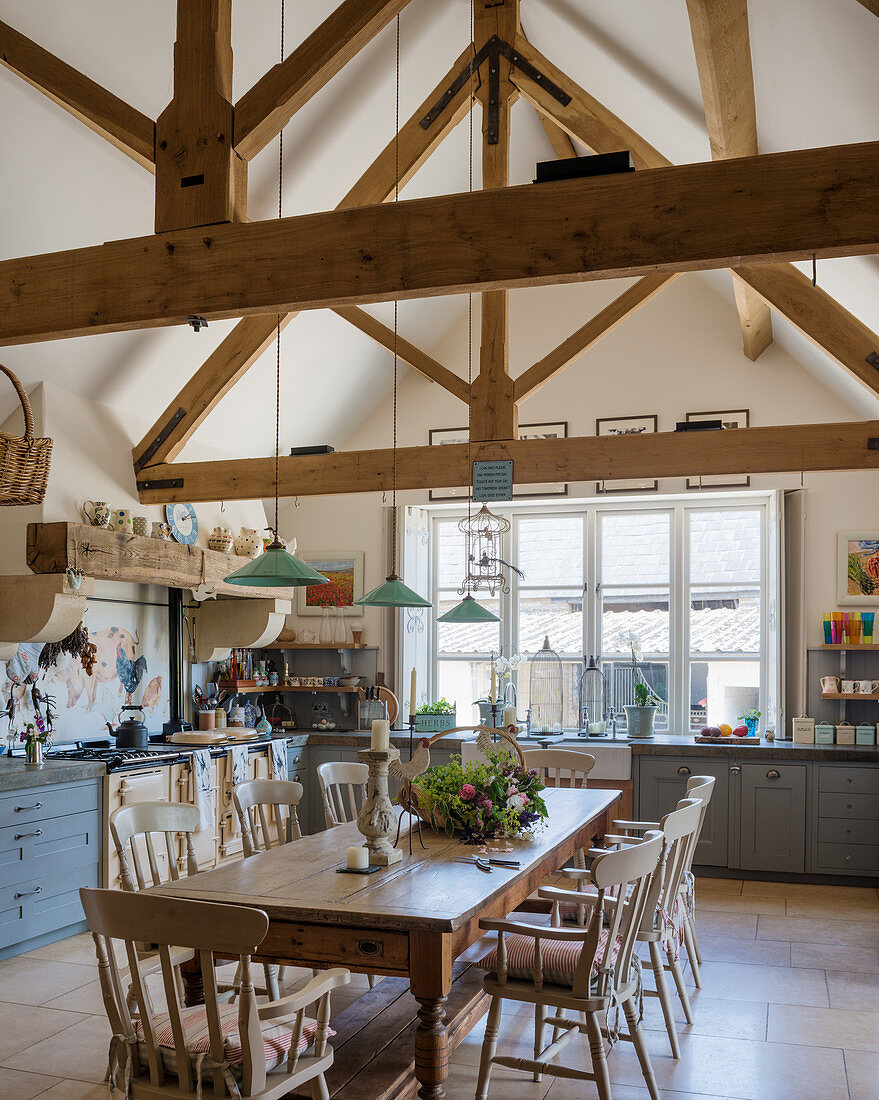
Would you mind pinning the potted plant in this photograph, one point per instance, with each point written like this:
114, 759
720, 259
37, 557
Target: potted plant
34, 740
435, 717
750, 717
641, 715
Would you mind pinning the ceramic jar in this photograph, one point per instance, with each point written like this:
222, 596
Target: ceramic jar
97, 512
249, 543
220, 539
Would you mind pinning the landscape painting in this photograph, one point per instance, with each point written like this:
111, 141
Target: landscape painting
858, 568
344, 571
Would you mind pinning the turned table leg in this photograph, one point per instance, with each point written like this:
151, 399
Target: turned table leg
193, 982
431, 1048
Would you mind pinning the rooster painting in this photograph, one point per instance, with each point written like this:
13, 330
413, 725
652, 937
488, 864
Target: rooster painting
129, 672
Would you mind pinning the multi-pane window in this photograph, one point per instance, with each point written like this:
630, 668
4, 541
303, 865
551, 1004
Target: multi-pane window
686, 582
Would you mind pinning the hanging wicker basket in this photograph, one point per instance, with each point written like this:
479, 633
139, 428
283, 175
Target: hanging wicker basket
24, 460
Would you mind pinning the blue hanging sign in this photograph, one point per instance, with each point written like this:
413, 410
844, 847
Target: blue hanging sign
493, 480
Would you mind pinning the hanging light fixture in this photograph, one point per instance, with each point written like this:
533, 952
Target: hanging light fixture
276, 567
392, 592
469, 610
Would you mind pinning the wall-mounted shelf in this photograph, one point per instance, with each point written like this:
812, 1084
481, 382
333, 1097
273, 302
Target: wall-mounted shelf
315, 645
269, 689
848, 645
847, 695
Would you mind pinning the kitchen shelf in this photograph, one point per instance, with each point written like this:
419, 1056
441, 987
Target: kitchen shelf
848, 645
315, 645
847, 695
266, 688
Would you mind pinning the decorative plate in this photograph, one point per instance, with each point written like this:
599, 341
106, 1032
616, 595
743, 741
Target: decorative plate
182, 520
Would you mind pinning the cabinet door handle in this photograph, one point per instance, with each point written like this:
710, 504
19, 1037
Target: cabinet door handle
27, 893
684, 770
21, 836
773, 774
734, 769
36, 806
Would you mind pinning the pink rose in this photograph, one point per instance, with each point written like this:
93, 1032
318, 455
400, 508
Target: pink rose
467, 792
513, 789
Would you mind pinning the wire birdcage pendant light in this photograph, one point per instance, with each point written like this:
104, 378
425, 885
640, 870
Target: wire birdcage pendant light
592, 704
546, 698
483, 535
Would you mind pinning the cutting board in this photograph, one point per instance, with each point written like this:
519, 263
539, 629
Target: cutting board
198, 737
731, 740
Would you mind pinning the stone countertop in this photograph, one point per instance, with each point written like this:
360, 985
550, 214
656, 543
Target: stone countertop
16, 775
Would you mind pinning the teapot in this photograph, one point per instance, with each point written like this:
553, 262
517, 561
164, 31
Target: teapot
132, 733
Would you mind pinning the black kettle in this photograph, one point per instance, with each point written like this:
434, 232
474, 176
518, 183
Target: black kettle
132, 733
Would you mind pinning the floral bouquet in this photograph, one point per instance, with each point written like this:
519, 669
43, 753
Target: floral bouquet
483, 801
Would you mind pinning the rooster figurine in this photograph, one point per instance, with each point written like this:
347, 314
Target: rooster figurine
129, 672
418, 763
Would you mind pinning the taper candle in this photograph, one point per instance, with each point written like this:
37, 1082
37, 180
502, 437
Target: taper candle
493, 695
381, 735
412, 696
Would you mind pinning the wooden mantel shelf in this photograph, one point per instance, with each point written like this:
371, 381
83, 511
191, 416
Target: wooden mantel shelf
109, 555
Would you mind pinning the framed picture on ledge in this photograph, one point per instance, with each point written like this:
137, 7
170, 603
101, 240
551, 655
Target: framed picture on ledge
439, 437
627, 425
730, 418
344, 571
857, 569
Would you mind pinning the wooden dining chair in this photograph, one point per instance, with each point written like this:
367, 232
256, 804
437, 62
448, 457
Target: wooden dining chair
582, 970
246, 1050
343, 790
264, 807
562, 768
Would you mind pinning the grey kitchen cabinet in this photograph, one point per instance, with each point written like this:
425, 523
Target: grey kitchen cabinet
49, 848
772, 817
844, 833
662, 780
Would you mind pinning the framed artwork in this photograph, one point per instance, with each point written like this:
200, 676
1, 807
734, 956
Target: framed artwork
438, 437
731, 418
627, 425
344, 571
857, 568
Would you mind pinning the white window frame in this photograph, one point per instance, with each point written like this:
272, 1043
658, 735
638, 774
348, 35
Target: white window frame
591, 510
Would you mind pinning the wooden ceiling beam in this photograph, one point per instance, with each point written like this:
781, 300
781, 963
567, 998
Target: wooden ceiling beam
559, 139
417, 359
588, 335
871, 5
693, 217
779, 449
722, 46
103, 112
264, 110
238, 351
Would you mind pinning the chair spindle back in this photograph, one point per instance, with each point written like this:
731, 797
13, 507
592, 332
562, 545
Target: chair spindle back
343, 789
257, 802
132, 829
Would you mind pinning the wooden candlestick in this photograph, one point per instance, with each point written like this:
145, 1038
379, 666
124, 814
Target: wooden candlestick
376, 819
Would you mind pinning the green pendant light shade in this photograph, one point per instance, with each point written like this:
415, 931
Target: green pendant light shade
469, 611
276, 568
393, 593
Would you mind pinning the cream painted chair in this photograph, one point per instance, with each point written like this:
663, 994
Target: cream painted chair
257, 802
583, 970
562, 768
343, 790
248, 1050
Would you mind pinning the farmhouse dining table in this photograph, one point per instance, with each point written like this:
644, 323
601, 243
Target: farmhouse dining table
410, 920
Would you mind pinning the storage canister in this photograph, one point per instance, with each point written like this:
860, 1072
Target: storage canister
825, 734
804, 731
845, 734
865, 734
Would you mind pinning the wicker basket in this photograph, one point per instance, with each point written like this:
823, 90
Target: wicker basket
24, 461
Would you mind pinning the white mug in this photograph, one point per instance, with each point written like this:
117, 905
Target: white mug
849, 687
866, 687
121, 520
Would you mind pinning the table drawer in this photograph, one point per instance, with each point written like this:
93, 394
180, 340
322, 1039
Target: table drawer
43, 905
862, 806
855, 858
848, 780
363, 949
32, 849
833, 831
39, 803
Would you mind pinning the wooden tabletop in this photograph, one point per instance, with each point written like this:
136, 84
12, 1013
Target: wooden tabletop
427, 891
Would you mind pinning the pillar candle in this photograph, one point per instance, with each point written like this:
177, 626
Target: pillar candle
381, 735
358, 858
412, 696
509, 716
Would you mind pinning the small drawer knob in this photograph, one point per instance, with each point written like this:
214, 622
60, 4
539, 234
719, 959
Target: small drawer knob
684, 770
773, 774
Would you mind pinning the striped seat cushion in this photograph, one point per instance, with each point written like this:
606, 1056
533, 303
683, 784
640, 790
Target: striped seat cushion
276, 1037
559, 958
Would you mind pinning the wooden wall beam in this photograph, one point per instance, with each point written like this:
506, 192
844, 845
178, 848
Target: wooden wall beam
264, 110
419, 360
789, 448
723, 58
103, 112
871, 5
200, 179
693, 217
588, 335
237, 353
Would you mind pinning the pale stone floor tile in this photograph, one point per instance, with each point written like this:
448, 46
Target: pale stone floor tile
729, 887
836, 1027
86, 998
828, 956
743, 926
846, 933
852, 989
80, 1052
770, 984
23, 1025
580, 1090
15, 1085
732, 904
505, 1084
862, 1069
77, 1090
843, 908
803, 890
723, 1018
75, 949
730, 949
30, 981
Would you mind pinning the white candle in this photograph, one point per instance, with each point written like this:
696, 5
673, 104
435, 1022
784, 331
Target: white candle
412, 696
509, 716
493, 695
381, 735
358, 859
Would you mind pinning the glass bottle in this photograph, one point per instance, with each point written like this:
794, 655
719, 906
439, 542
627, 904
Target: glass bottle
326, 627
341, 632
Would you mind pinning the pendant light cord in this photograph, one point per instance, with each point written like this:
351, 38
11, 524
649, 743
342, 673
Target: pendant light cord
470, 319
396, 199
278, 337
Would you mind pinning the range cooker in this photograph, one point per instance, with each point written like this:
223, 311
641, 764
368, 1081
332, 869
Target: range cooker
157, 752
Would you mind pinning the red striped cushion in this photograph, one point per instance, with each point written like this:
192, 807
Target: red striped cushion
559, 958
276, 1037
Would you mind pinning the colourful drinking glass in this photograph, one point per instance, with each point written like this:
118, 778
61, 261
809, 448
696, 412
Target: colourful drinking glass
867, 620
836, 626
828, 629
854, 627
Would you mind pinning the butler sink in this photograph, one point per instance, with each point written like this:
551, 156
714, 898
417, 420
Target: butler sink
613, 760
